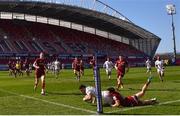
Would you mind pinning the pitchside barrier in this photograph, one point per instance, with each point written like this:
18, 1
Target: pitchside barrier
3, 67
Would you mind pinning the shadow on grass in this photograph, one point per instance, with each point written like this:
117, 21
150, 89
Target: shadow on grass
176, 81
87, 81
102, 80
114, 113
126, 114
170, 90
63, 93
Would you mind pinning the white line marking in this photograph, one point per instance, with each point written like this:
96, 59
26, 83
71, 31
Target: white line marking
54, 103
141, 107
85, 110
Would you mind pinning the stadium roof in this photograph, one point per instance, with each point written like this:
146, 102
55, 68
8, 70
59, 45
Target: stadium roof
79, 15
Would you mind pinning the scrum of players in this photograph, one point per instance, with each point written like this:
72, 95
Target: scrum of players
111, 96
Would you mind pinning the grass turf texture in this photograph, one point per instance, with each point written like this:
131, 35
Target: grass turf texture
63, 97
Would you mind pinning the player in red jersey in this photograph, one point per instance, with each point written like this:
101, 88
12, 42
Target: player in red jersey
76, 68
14, 69
121, 66
26, 67
40, 70
92, 62
73, 66
11, 66
133, 100
81, 67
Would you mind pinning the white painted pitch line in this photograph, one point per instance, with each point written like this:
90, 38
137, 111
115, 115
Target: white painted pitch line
46, 101
85, 110
141, 107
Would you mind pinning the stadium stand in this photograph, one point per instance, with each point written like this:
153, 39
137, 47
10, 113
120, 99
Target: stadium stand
31, 37
28, 27
28, 37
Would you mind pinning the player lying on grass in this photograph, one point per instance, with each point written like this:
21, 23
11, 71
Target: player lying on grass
134, 100
90, 95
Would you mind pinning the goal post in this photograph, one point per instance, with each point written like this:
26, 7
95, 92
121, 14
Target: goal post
98, 86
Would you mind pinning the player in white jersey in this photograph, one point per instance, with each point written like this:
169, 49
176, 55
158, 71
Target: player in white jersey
48, 67
108, 65
107, 98
159, 64
90, 95
148, 65
57, 67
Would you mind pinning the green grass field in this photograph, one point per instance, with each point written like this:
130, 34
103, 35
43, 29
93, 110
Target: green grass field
63, 97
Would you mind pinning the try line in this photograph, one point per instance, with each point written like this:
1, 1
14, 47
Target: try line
49, 102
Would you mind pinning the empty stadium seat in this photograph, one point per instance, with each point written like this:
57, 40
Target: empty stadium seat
29, 37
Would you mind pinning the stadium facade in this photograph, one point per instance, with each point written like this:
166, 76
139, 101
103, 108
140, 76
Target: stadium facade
63, 27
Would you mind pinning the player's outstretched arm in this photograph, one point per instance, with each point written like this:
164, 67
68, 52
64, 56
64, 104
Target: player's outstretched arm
116, 104
89, 98
115, 66
35, 66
